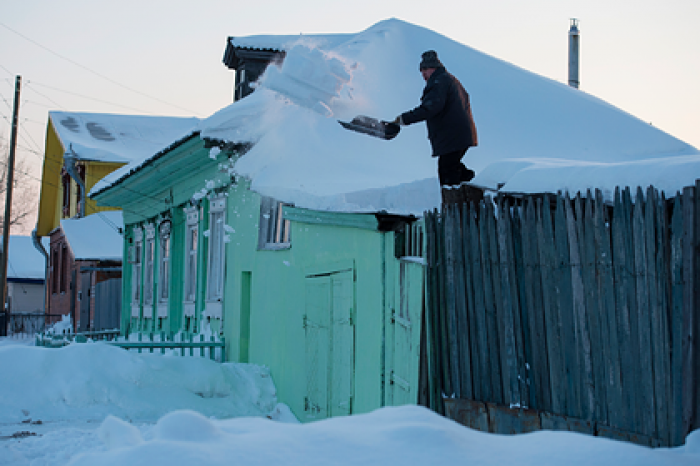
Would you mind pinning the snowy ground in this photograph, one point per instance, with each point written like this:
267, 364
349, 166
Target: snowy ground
90, 403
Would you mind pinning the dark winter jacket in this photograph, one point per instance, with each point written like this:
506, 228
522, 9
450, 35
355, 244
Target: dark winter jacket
445, 107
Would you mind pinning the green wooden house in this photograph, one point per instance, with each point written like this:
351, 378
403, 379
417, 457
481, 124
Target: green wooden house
328, 301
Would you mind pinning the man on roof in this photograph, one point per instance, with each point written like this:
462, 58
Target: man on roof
446, 110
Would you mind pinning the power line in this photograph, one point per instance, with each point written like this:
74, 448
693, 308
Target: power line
31, 82
93, 71
8, 71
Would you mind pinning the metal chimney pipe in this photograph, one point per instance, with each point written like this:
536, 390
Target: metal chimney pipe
573, 53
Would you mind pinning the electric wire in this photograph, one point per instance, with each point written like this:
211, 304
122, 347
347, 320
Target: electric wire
93, 71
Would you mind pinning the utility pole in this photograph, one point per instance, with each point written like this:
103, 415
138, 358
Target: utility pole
8, 195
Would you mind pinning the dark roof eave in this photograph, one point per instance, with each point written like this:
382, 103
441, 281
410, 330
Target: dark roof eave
234, 55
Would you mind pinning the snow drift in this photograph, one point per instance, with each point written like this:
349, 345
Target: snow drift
406, 435
89, 381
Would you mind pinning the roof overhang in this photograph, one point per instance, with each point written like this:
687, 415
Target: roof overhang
235, 56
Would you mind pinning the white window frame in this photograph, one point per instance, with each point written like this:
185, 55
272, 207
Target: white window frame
149, 271
136, 269
165, 248
216, 257
274, 230
191, 257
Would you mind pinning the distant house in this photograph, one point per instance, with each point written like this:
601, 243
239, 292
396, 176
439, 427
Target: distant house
26, 271
81, 148
300, 242
85, 271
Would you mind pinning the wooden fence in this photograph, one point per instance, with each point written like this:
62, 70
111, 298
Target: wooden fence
570, 307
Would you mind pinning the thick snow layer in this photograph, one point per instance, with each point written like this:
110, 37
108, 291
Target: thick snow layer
95, 237
88, 381
24, 260
117, 138
535, 134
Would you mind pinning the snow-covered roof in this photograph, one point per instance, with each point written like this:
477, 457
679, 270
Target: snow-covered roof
24, 260
95, 237
117, 138
535, 134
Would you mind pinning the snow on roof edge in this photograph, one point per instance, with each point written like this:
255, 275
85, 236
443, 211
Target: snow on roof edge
132, 169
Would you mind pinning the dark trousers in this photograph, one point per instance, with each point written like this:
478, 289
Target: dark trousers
451, 170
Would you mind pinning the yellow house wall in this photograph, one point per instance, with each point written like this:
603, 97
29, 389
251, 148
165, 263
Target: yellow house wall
51, 197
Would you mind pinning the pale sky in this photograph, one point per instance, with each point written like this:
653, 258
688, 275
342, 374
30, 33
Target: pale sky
162, 57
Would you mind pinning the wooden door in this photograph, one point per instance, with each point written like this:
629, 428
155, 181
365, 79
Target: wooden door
330, 344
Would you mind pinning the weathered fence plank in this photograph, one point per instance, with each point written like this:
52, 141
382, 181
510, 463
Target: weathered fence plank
676, 322
689, 264
599, 354
510, 326
643, 320
583, 348
470, 316
490, 299
565, 310
444, 333
476, 267
606, 295
540, 396
452, 287
521, 310
557, 371
465, 373
436, 362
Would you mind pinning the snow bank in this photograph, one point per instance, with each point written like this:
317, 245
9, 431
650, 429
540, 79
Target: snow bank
406, 435
89, 381
535, 134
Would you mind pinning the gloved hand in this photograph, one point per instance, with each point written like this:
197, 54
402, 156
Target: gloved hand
398, 121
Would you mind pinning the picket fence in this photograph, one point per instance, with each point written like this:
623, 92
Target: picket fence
213, 348
570, 307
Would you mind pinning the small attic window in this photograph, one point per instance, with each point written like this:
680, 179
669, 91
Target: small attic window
274, 231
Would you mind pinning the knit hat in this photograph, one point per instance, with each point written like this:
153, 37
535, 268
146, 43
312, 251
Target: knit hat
430, 59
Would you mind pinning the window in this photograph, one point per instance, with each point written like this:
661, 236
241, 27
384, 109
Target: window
216, 256
164, 270
274, 229
135, 256
149, 268
191, 247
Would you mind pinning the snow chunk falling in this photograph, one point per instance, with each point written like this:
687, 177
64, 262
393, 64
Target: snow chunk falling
309, 77
214, 152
